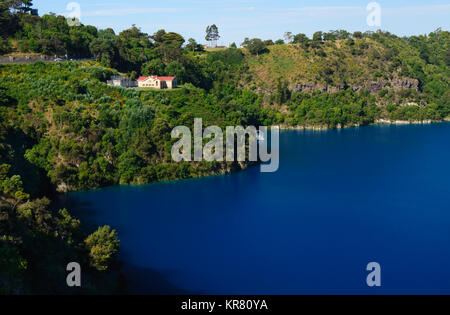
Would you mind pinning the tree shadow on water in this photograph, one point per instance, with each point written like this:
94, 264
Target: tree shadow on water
137, 280
82, 210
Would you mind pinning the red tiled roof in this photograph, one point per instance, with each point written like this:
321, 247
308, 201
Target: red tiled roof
166, 78
159, 78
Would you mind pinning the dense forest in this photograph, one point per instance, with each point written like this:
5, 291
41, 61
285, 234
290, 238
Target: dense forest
62, 128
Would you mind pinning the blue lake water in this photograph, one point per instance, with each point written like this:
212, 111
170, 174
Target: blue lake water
341, 199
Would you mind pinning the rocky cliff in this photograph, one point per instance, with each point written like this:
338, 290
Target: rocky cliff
373, 86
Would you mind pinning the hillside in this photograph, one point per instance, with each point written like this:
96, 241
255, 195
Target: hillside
62, 128
335, 65
89, 135
312, 81
75, 132
82, 134
353, 62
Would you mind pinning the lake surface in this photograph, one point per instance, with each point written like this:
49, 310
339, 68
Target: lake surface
341, 199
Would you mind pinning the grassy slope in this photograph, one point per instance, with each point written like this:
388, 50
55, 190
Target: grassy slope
335, 63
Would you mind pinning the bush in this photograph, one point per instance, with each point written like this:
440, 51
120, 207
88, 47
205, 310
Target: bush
103, 246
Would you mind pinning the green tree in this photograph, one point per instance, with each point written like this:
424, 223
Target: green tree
170, 47
301, 39
191, 45
5, 47
212, 35
103, 246
318, 37
283, 94
255, 46
288, 37
134, 49
358, 35
103, 50
153, 67
12, 187
80, 39
158, 36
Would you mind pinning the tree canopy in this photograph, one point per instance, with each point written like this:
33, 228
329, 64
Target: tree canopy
212, 34
255, 46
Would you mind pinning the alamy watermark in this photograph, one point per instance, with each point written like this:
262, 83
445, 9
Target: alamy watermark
374, 17
74, 277
374, 277
74, 17
236, 146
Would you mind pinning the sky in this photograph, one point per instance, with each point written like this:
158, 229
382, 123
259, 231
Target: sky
265, 19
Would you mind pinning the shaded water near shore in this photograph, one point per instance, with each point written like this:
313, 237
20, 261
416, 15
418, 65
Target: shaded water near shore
341, 199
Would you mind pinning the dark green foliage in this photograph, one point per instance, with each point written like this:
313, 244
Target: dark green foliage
104, 51
255, 46
283, 94
36, 243
8, 21
301, 39
62, 127
5, 46
194, 46
318, 36
343, 109
103, 246
89, 135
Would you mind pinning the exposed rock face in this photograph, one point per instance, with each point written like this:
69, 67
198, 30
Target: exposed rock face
405, 84
62, 188
311, 87
373, 87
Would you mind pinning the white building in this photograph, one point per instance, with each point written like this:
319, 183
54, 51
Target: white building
158, 82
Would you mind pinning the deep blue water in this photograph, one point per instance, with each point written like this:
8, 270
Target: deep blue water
341, 199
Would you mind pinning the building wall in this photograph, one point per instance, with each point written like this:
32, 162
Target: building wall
157, 84
150, 83
122, 82
130, 83
169, 84
173, 84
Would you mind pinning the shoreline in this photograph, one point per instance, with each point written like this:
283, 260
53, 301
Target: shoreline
376, 123
247, 166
